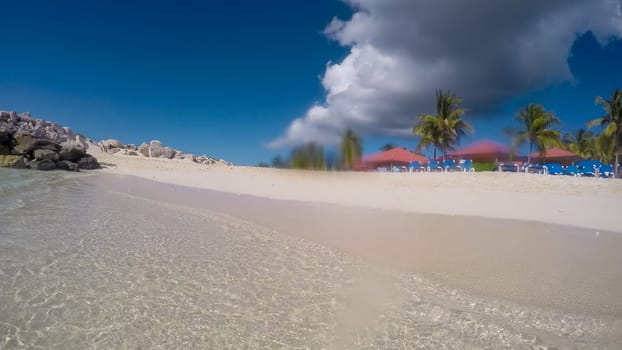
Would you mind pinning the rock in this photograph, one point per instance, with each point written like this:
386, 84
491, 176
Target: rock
5, 136
131, 146
46, 154
24, 143
169, 153
88, 162
12, 161
189, 157
156, 149
126, 152
110, 143
144, 149
71, 151
44, 164
67, 165
4, 149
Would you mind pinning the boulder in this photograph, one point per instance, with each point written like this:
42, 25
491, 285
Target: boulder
71, 151
46, 154
156, 149
131, 146
5, 136
110, 143
12, 161
88, 162
24, 143
67, 165
169, 153
144, 149
44, 164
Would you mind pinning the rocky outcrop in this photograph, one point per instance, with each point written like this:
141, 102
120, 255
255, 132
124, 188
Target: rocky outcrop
26, 142
155, 149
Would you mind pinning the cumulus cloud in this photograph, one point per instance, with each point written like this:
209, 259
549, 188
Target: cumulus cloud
485, 51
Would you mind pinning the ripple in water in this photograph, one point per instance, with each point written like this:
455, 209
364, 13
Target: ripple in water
83, 268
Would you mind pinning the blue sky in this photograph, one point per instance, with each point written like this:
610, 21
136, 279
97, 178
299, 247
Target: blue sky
228, 78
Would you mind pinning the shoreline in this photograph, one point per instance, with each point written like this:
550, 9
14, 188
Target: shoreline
580, 202
531, 263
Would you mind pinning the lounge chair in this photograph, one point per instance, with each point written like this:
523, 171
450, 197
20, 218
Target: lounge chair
535, 169
588, 167
466, 165
510, 167
449, 165
415, 167
606, 171
571, 170
434, 166
554, 169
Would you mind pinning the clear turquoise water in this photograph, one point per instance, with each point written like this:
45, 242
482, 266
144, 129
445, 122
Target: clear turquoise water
84, 266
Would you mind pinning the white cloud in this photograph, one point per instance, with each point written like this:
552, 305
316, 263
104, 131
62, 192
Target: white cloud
485, 51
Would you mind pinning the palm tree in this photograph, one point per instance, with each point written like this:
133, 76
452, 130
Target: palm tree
581, 142
443, 130
604, 148
611, 123
351, 149
535, 123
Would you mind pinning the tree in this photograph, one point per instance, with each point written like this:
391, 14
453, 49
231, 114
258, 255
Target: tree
535, 129
611, 123
581, 142
308, 156
443, 130
351, 149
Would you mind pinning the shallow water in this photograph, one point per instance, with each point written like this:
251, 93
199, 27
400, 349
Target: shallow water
84, 267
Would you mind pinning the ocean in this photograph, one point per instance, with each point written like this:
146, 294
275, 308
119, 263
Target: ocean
86, 265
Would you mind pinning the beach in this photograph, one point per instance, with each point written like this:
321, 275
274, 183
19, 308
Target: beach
166, 254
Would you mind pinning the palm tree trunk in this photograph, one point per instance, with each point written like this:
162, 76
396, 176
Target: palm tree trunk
616, 170
434, 152
530, 150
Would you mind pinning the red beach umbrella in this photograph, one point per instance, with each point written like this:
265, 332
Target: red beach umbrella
394, 156
556, 155
482, 151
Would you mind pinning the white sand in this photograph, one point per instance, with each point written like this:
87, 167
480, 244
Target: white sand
583, 202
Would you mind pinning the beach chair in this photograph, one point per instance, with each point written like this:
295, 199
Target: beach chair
434, 166
588, 167
509, 167
554, 169
571, 170
449, 165
415, 167
606, 171
467, 166
535, 169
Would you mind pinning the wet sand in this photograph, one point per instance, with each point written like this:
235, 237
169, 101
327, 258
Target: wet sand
116, 262
561, 267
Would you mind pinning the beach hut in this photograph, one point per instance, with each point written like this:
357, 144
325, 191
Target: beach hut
555, 155
486, 151
394, 157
